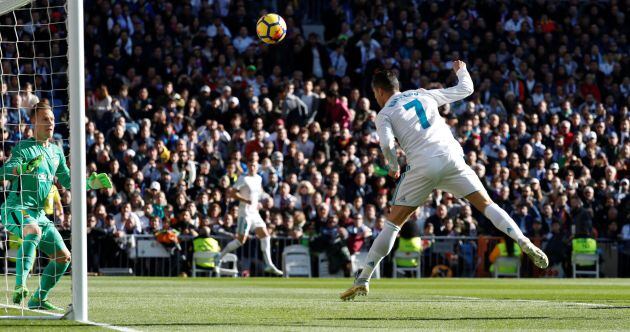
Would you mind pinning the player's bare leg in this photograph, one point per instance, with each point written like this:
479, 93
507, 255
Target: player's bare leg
501, 220
265, 247
381, 247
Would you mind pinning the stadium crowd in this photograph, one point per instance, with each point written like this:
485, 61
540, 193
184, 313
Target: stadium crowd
180, 94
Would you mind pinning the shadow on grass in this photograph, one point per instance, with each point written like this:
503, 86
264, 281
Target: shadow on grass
306, 324
612, 307
183, 324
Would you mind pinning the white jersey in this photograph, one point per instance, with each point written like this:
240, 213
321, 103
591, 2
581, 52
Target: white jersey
250, 187
413, 118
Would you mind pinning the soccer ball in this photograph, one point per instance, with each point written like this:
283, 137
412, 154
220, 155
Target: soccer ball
271, 28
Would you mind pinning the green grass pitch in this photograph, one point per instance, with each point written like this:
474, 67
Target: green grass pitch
167, 304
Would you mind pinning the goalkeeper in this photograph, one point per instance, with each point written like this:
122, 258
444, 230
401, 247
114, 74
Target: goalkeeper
32, 167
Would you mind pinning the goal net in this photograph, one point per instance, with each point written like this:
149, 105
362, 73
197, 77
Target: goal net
35, 56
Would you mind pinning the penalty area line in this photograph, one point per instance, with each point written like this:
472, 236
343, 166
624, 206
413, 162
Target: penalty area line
51, 315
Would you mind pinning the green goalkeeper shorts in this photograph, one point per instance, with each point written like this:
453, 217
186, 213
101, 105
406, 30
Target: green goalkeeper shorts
14, 218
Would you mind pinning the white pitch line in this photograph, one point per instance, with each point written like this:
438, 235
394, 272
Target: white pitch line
112, 327
527, 301
10, 306
58, 316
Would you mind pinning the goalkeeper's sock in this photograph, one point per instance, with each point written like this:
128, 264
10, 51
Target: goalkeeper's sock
502, 220
381, 247
233, 245
265, 246
25, 258
50, 277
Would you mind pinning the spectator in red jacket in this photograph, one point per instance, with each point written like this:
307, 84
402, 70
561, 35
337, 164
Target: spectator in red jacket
590, 88
257, 144
336, 111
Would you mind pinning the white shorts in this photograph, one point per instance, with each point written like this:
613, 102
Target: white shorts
245, 224
447, 172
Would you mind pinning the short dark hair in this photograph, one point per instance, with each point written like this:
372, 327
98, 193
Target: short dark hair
386, 80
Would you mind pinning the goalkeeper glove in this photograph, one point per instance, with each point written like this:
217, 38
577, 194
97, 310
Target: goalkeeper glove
99, 181
30, 166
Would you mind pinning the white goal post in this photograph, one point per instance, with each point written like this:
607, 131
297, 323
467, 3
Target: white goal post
76, 77
76, 97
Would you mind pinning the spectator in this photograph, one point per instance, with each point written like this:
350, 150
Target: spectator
409, 242
192, 105
204, 243
332, 241
357, 234
284, 199
291, 108
438, 219
336, 111
506, 248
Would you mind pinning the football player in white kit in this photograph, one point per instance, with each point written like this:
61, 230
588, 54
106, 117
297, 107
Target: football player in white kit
247, 190
435, 161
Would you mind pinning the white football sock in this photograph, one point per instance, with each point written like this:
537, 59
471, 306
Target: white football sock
233, 245
381, 247
502, 220
265, 246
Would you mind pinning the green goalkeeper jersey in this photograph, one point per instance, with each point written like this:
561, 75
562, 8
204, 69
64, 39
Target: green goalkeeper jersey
29, 191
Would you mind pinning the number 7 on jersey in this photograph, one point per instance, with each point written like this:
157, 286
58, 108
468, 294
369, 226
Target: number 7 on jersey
422, 115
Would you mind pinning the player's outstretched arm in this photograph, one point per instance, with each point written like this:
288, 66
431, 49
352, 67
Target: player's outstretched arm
463, 89
388, 143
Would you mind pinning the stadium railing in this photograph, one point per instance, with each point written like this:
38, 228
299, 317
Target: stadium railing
441, 257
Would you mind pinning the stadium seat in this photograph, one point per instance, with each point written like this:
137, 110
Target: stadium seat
296, 261
232, 271
508, 263
407, 255
585, 260
203, 255
358, 260
229, 259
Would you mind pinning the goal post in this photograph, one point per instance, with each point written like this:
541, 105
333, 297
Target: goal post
70, 13
76, 76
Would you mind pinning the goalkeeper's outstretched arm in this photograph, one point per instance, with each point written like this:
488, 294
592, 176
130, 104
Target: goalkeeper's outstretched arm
95, 181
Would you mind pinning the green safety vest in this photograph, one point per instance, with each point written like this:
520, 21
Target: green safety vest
205, 244
408, 245
584, 246
503, 250
504, 253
